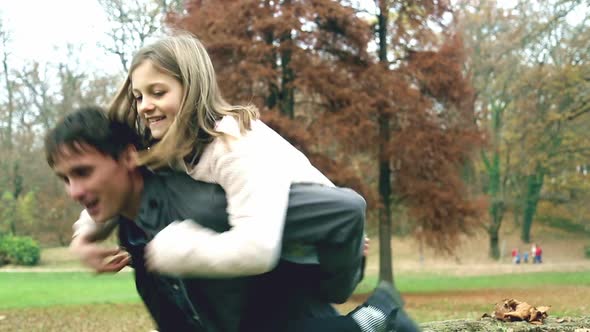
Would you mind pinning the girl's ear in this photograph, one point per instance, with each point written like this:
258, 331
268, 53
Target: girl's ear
129, 157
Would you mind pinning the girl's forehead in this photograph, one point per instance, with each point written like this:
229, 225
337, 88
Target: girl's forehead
149, 73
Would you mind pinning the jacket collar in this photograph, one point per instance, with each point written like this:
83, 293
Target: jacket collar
151, 204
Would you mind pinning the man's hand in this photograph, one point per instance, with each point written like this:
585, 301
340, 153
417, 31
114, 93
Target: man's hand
97, 257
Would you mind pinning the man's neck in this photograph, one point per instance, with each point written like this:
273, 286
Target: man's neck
131, 208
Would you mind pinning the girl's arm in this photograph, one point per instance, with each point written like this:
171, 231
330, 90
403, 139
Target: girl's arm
89, 228
257, 191
84, 225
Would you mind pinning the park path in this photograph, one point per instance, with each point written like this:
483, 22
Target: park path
448, 268
48, 269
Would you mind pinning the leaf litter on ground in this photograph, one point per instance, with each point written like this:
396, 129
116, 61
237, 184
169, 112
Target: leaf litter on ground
511, 310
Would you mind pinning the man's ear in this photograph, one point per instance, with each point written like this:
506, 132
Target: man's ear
129, 157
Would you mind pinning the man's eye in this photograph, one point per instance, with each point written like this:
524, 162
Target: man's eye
65, 179
83, 172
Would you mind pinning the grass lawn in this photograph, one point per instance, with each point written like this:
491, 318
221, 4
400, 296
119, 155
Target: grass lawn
33, 289
41, 289
80, 301
428, 282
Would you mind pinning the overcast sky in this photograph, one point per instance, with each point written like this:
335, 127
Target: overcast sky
40, 29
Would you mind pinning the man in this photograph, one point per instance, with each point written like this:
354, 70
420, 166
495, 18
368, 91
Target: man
95, 158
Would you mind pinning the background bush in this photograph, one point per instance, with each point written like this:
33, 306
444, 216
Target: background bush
587, 251
19, 250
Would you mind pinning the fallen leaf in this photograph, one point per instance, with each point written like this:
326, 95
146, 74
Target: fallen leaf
511, 310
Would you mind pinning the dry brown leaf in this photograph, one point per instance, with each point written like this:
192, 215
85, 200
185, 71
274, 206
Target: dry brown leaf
510, 310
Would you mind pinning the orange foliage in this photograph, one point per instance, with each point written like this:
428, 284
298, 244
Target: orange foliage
311, 55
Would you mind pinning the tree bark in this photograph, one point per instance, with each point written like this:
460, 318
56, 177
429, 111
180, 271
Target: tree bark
9, 90
494, 189
497, 213
534, 186
578, 324
385, 254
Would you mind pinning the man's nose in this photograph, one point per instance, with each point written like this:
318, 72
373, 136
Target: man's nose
75, 190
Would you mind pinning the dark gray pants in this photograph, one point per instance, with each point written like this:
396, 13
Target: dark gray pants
298, 297
332, 220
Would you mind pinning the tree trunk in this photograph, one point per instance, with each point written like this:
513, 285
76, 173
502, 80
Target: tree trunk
534, 186
288, 76
9, 90
494, 189
497, 207
497, 214
273, 93
17, 182
385, 254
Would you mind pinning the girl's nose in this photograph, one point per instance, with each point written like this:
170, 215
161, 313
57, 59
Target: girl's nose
145, 105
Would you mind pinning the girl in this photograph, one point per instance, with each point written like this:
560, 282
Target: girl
171, 95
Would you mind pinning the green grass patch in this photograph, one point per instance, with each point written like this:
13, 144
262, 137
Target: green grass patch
30, 289
425, 283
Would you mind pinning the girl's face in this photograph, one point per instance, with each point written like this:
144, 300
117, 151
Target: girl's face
158, 97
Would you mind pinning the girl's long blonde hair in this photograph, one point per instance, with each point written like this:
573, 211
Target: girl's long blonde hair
183, 57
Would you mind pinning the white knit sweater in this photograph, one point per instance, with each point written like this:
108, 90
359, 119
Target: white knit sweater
256, 170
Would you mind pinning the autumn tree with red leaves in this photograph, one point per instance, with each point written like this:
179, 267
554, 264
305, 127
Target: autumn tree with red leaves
397, 125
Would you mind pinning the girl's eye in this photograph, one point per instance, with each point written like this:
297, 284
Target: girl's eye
159, 93
137, 98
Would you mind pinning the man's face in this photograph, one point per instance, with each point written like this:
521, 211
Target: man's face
100, 183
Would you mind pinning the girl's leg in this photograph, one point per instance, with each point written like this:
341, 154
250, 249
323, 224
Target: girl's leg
377, 314
331, 220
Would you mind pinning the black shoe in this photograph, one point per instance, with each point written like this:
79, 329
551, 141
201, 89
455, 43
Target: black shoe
403, 323
383, 298
383, 301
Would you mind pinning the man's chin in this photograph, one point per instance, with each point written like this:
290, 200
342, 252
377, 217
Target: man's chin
98, 217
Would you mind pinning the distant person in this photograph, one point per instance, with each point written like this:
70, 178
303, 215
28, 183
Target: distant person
534, 253
525, 257
538, 254
515, 256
